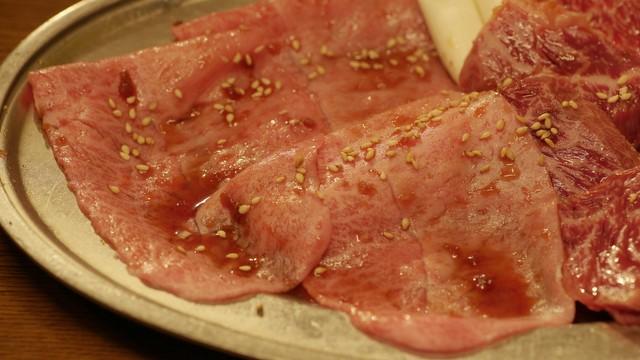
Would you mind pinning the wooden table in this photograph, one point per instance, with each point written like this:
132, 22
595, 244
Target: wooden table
41, 318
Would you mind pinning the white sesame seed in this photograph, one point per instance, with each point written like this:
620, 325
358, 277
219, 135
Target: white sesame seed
153, 105
280, 179
318, 271
117, 113
255, 200
602, 96
506, 82
554, 131
321, 70
371, 153
237, 58
536, 126
383, 176
125, 149
299, 178
573, 104
484, 168
184, 234
295, 44
132, 113
500, 125
405, 223
244, 268
632, 197
221, 141
124, 156
334, 168
541, 160
248, 59
388, 235
465, 137
147, 121
613, 99
200, 248
178, 93
232, 256
243, 209
140, 140
485, 135
230, 118
390, 153
419, 70
623, 79
135, 152
522, 130
549, 142
131, 100
626, 96
221, 234
142, 168
112, 104
114, 189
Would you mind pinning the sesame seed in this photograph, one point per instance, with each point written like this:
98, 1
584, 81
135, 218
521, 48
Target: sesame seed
312, 75
295, 44
391, 43
410, 159
258, 49
132, 113
183, 234
140, 140
623, 79
371, 153
503, 152
573, 104
522, 130
299, 178
334, 168
506, 82
256, 200
221, 141
549, 142
268, 91
321, 70
394, 62
465, 137
278, 84
131, 100
199, 248
128, 128
388, 235
117, 113
318, 271
243, 209
554, 131
625, 96
613, 99
152, 106
623, 90
390, 153
484, 168
112, 104
177, 93
135, 152
221, 234
602, 96
248, 60
124, 156
237, 58
564, 103
541, 160
125, 149
181, 249
383, 176
544, 116
485, 135
280, 179
548, 123
521, 119
142, 168
419, 70
114, 189
500, 125
232, 256
473, 153
405, 224
536, 126
633, 197
147, 121
230, 117
244, 268
510, 155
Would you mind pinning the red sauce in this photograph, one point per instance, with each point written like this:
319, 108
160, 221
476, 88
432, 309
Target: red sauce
126, 87
496, 288
366, 188
491, 189
510, 171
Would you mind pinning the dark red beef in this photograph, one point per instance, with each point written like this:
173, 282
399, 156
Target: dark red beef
601, 232
526, 38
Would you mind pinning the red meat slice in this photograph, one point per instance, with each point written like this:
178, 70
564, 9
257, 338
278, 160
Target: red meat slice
434, 235
526, 38
601, 233
361, 58
180, 145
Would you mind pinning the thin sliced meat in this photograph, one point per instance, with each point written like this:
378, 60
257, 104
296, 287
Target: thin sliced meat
526, 38
601, 233
399, 261
361, 58
586, 147
142, 139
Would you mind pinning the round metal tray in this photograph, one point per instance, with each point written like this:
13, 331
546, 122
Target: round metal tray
41, 215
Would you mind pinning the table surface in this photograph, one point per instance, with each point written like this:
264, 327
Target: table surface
40, 318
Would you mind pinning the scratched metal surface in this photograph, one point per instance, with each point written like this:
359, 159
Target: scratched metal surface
41, 215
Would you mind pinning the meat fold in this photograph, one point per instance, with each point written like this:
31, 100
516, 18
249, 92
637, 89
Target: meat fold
472, 248
360, 57
600, 231
526, 38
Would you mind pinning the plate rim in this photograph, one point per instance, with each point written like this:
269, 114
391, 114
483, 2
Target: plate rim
65, 266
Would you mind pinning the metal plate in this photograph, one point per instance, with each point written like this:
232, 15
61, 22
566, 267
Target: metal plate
41, 215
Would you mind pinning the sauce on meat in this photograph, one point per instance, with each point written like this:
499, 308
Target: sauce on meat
496, 288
